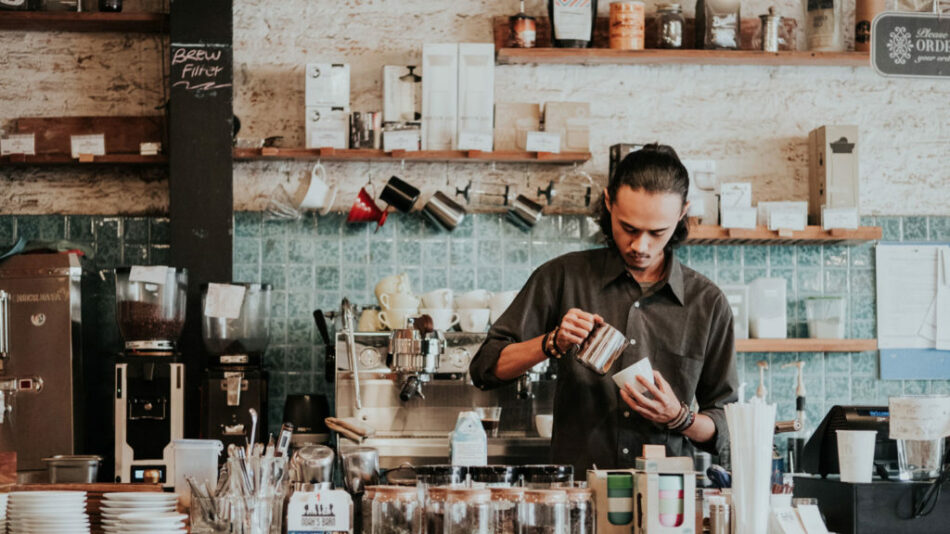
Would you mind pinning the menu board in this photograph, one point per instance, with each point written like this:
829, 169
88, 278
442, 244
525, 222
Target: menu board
911, 45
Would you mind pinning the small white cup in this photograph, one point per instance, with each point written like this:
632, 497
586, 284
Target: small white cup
398, 301
856, 455
499, 302
472, 300
442, 318
630, 374
473, 319
545, 425
395, 318
369, 321
440, 298
320, 193
397, 283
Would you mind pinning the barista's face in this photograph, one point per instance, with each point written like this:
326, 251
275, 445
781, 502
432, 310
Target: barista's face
642, 224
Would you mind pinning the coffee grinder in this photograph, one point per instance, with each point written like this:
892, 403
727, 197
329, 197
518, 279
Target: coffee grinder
234, 327
149, 373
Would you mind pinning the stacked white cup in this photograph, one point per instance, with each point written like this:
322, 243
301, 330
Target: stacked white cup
397, 301
438, 305
473, 311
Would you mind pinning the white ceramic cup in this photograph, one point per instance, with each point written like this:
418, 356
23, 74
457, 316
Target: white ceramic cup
473, 319
397, 283
856, 455
544, 424
630, 374
398, 301
320, 193
440, 298
396, 318
499, 302
442, 318
473, 299
369, 321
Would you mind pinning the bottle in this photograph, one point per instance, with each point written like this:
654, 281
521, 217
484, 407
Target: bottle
669, 26
110, 6
699, 31
572, 22
522, 30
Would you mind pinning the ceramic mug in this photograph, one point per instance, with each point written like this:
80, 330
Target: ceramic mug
499, 302
440, 298
399, 194
397, 283
474, 319
394, 319
472, 299
369, 321
442, 318
398, 301
320, 194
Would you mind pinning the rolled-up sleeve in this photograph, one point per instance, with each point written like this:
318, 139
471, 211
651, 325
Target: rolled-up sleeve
532, 313
718, 383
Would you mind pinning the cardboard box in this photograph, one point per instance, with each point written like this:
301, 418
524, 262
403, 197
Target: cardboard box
476, 90
513, 121
402, 94
738, 298
327, 85
613, 496
572, 121
647, 503
439, 96
833, 178
327, 127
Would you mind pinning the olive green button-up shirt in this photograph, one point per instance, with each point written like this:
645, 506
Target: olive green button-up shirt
683, 324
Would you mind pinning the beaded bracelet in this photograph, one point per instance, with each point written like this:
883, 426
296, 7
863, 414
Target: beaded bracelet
546, 345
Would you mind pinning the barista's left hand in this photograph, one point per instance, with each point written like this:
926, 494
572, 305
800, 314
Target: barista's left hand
662, 408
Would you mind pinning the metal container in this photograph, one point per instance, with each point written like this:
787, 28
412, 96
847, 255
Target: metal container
312, 464
4, 325
771, 28
443, 211
602, 348
80, 469
524, 213
720, 519
360, 468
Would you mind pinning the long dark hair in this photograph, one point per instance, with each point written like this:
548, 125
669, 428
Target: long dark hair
654, 168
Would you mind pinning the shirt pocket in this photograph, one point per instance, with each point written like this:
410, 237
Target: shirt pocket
681, 370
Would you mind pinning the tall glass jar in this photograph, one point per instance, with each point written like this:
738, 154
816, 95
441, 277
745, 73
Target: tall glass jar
396, 510
468, 511
544, 512
366, 508
494, 476
669, 26
435, 511
504, 505
548, 476
581, 512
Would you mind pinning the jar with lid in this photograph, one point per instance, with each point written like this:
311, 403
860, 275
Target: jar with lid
366, 508
396, 510
435, 511
548, 476
441, 475
544, 512
468, 510
581, 512
669, 26
494, 476
504, 506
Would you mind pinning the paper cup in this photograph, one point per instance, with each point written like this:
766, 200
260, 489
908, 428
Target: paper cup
856, 455
629, 375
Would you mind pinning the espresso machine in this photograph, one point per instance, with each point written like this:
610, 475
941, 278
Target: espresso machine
234, 328
44, 309
149, 373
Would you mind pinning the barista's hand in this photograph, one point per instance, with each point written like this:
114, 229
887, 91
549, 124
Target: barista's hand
662, 408
575, 326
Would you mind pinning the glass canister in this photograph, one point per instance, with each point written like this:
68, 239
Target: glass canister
669, 26
435, 511
239, 340
494, 476
581, 512
467, 511
396, 510
150, 306
366, 508
548, 476
441, 475
544, 512
504, 506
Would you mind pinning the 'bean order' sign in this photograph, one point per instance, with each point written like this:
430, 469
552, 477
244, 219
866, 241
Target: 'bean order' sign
911, 45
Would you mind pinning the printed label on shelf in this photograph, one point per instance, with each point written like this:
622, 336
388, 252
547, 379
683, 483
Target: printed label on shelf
93, 145
475, 141
18, 144
544, 142
832, 218
149, 274
224, 301
319, 511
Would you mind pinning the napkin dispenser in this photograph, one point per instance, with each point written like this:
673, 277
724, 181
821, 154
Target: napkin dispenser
820, 454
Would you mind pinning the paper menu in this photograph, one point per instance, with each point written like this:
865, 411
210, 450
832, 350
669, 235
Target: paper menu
224, 301
919, 418
906, 293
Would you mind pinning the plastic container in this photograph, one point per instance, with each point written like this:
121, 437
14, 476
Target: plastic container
197, 458
826, 317
768, 314
150, 306
242, 340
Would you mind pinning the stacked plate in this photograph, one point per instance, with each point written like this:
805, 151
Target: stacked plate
152, 523
47, 512
115, 505
3, 512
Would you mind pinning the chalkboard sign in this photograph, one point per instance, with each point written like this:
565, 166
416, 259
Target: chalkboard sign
201, 69
911, 45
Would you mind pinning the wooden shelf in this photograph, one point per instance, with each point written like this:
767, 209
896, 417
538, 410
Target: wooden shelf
607, 56
458, 156
704, 234
66, 159
806, 345
84, 22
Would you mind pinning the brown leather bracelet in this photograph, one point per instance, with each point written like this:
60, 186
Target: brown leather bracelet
560, 353
546, 345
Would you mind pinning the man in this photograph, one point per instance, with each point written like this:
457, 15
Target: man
671, 315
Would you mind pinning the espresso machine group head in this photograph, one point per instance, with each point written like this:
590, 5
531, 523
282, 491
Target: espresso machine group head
414, 356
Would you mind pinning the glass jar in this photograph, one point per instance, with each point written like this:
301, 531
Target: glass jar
581, 511
669, 26
468, 510
544, 512
435, 511
504, 506
366, 508
396, 510
494, 476
548, 476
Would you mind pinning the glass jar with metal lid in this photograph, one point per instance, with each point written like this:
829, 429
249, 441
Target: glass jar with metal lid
441, 475
548, 476
581, 512
669, 26
366, 508
504, 506
396, 510
435, 511
468, 510
544, 512
495, 476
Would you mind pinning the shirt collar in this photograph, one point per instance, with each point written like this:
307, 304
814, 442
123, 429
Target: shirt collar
614, 267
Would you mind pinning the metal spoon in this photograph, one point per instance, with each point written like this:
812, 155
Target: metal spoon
253, 437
